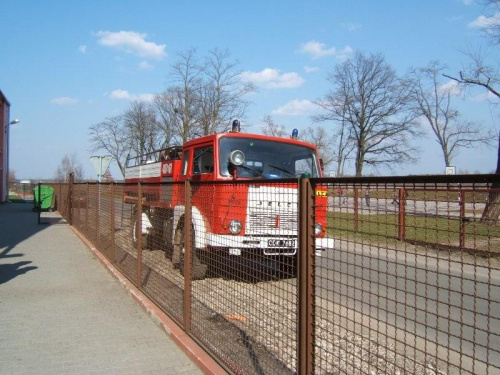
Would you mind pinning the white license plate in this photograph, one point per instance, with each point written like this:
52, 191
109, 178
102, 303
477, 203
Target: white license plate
281, 243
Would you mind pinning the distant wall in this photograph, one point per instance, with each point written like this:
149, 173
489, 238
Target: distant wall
4, 120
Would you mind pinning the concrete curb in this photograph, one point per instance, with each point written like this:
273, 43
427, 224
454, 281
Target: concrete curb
206, 363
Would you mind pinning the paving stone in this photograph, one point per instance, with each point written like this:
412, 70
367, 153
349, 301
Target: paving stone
61, 312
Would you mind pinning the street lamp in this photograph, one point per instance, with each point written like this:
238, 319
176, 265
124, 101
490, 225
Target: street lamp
7, 131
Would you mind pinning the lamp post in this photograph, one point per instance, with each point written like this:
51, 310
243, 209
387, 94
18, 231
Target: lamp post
7, 131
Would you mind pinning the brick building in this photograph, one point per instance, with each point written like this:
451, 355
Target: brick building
4, 144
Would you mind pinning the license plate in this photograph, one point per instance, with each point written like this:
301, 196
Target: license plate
281, 243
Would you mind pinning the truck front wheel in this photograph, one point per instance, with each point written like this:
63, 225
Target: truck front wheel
199, 269
144, 236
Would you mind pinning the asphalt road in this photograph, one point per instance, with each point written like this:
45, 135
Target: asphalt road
446, 307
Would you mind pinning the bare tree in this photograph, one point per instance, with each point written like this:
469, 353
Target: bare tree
184, 96
141, 127
165, 108
479, 73
272, 128
111, 136
373, 103
489, 24
69, 164
12, 177
344, 142
323, 141
432, 101
222, 93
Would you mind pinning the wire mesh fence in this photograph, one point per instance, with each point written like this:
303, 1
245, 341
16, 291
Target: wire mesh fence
324, 276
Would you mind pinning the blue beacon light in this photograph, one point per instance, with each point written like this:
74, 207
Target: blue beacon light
295, 134
236, 126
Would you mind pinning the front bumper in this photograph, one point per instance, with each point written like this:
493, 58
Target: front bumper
271, 246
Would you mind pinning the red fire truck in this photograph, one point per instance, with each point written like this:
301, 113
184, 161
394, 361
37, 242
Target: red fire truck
252, 220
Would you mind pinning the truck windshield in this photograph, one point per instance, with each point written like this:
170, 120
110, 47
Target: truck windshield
268, 159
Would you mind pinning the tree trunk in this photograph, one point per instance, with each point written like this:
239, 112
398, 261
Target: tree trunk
492, 209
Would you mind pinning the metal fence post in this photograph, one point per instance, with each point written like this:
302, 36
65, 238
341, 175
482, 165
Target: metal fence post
39, 203
138, 234
70, 198
112, 222
461, 202
356, 209
305, 279
402, 215
87, 208
188, 250
76, 220
97, 217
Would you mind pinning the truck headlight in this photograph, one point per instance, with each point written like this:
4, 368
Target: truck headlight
237, 157
235, 226
318, 228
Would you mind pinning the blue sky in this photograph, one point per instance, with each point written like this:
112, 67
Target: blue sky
66, 65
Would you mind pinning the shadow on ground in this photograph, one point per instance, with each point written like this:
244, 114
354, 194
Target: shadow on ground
18, 222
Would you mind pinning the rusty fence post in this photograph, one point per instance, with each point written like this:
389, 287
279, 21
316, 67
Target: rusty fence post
461, 202
402, 215
87, 201
138, 234
76, 220
188, 250
356, 209
39, 203
112, 222
70, 198
305, 279
97, 218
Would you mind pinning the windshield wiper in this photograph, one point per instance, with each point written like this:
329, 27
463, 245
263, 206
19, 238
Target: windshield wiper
255, 172
281, 169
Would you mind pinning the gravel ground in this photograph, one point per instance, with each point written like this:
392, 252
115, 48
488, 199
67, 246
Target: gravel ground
266, 312
252, 326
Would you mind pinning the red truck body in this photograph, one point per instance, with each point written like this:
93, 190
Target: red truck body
254, 217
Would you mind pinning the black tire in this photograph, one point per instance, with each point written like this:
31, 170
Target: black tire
168, 245
199, 270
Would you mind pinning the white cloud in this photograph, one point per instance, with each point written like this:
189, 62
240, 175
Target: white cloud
317, 50
310, 69
132, 42
144, 65
64, 100
483, 97
344, 53
451, 87
295, 108
82, 49
125, 95
272, 79
482, 21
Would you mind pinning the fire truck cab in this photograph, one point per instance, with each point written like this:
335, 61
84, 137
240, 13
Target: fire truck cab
253, 220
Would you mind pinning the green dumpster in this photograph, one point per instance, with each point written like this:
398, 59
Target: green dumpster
43, 198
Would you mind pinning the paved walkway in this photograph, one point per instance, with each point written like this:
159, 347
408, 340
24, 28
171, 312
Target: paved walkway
61, 312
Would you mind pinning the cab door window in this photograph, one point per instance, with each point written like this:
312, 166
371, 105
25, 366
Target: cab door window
203, 160
185, 162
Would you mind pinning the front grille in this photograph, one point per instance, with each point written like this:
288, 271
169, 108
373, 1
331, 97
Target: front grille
265, 222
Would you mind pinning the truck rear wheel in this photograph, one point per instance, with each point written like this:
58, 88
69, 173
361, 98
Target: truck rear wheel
199, 270
167, 233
